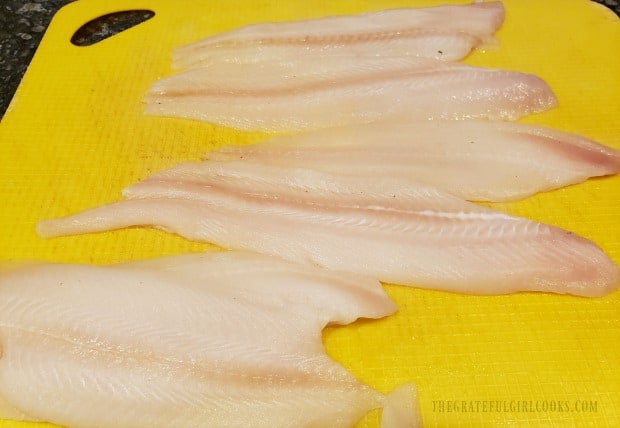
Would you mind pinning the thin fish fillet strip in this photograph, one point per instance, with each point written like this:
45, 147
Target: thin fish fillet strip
259, 99
475, 160
447, 32
294, 72
215, 339
418, 236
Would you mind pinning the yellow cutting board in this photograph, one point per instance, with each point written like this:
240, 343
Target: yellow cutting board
75, 135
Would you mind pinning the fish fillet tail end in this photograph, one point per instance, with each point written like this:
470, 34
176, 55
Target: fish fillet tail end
53, 228
401, 409
609, 282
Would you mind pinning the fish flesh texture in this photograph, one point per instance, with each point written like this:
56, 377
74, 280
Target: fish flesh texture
298, 71
399, 410
447, 32
475, 160
255, 98
369, 225
213, 339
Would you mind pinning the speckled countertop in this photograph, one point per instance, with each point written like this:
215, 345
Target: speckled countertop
23, 23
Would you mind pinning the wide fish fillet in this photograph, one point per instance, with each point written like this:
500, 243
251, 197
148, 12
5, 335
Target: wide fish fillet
216, 339
370, 225
334, 92
475, 160
447, 32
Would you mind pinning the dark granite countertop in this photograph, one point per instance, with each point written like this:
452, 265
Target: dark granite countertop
23, 23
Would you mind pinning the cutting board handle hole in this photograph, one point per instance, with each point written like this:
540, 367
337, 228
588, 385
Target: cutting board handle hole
108, 25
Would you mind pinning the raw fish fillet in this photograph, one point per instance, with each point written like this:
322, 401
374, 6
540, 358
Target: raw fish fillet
475, 160
398, 411
250, 97
369, 225
443, 32
298, 71
218, 339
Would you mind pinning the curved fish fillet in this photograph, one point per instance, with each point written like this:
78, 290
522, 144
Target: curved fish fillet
257, 98
218, 339
374, 226
443, 32
475, 160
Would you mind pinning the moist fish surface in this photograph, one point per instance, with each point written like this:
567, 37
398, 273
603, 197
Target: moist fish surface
215, 339
447, 32
475, 160
369, 225
274, 99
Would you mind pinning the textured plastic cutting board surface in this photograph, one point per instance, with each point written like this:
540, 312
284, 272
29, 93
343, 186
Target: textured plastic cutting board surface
75, 135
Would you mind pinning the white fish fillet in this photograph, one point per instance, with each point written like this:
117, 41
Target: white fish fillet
298, 71
475, 160
330, 95
401, 409
445, 32
417, 236
218, 339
